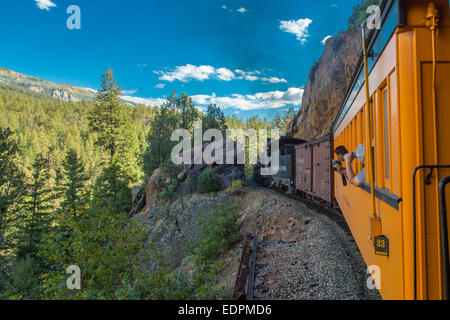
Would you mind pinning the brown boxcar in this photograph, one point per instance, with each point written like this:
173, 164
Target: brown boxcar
314, 174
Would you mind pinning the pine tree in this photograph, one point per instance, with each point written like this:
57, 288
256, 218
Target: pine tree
282, 122
188, 114
75, 180
214, 119
109, 117
159, 143
112, 122
109, 248
11, 179
37, 215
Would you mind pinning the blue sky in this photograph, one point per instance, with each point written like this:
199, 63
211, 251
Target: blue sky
251, 57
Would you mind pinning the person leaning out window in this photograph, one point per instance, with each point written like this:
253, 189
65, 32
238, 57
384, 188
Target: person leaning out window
343, 155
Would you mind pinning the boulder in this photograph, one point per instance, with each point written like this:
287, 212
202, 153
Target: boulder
225, 173
152, 185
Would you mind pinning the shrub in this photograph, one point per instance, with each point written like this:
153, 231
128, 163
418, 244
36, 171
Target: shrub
170, 170
219, 232
207, 182
237, 188
23, 282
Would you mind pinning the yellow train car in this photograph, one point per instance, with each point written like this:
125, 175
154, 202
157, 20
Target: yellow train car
404, 236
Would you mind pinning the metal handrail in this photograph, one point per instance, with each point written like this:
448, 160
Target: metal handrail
416, 170
444, 237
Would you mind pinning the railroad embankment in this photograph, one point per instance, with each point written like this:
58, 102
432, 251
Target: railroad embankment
302, 254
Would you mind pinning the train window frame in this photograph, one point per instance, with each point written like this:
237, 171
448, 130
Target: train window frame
362, 132
384, 136
388, 138
394, 127
373, 123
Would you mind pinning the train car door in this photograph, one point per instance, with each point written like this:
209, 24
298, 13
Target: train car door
308, 169
317, 169
325, 171
300, 177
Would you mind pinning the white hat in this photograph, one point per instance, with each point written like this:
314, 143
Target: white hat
360, 153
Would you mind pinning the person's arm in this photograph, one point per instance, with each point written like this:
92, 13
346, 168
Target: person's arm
350, 174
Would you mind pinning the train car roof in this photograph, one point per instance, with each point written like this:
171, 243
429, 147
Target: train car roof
285, 140
328, 137
290, 140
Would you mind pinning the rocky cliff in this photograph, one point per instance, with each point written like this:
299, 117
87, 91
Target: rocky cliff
326, 86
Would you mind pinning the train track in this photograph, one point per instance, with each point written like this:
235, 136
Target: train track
244, 287
248, 269
331, 213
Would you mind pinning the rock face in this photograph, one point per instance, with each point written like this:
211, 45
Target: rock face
64, 95
60, 91
144, 195
326, 87
174, 227
224, 174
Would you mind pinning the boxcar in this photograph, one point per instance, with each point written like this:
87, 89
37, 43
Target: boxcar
313, 170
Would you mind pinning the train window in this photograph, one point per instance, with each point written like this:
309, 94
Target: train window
373, 121
372, 138
386, 134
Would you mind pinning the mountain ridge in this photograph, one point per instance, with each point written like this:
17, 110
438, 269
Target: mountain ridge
65, 92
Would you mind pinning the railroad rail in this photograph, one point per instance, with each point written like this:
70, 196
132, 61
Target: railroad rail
244, 286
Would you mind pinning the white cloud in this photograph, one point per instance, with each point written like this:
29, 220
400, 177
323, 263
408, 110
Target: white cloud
129, 92
90, 89
274, 80
324, 41
201, 73
153, 102
225, 74
258, 101
45, 4
299, 28
187, 72
240, 10
246, 75
160, 85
